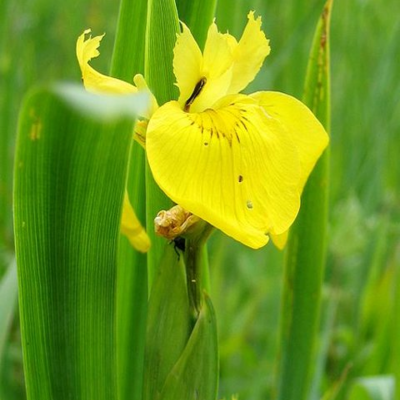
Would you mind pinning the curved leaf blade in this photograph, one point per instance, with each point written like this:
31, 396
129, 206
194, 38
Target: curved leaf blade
70, 171
195, 375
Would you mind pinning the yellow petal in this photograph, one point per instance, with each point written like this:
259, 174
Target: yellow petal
132, 229
214, 68
231, 166
86, 49
280, 240
249, 54
187, 64
307, 133
141, 84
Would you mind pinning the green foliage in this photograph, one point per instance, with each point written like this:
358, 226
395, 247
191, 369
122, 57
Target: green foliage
132, 294
169, 323
197, 15
360, 296
8, 299
162, 27
305, 258
373, 388
68, 204
195, 375
181, 356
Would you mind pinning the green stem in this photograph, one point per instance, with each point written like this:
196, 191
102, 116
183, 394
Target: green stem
196, 268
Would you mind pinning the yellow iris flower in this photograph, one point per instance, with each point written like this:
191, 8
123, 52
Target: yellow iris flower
238, 162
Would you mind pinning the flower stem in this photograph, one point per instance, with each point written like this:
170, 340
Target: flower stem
196, 264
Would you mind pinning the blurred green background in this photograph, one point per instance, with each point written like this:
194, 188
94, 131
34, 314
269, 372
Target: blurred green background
37, 45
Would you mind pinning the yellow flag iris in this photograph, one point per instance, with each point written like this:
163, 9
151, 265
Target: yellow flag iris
86, 49
238, 162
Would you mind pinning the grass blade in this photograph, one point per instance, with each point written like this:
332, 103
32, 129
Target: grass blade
8, 299
373, 388
162, 27
70, 172
305, 258
128, 60
396, 331
128, 54
197, 15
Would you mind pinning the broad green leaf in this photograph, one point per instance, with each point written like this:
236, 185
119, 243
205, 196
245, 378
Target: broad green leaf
197, 15
70, 172
373, 388
195, 375
132, 295
8, 298
305, 257
162, 27
169, 322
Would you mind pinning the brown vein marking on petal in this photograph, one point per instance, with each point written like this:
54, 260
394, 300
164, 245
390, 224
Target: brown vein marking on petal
197, 90
229, 125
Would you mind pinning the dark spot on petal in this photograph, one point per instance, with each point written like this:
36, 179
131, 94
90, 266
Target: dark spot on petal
205, 143
240, 179
249, 204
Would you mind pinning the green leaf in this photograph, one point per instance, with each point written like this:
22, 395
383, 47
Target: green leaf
129, 46
132, 294
195, 375
305, 258
70, 173
162, 27
8, 298
169, 322
198, 16
373, 388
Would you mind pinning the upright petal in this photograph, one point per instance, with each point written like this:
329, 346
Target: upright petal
132, 229
202, 79
249, 54
187, 64
216, 68
232, 166
93, 80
